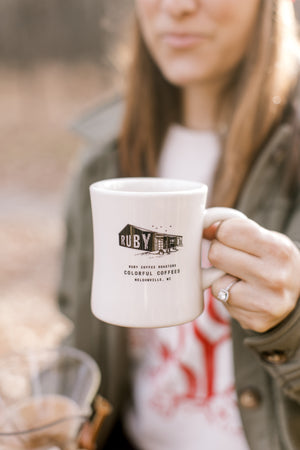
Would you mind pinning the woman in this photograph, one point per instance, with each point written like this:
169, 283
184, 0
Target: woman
212, 96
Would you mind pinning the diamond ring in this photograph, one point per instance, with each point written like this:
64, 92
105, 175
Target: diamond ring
223, 294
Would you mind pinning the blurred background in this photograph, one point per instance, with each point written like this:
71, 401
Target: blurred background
58, 59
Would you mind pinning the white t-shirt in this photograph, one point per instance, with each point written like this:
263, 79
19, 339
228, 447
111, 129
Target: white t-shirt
182, 376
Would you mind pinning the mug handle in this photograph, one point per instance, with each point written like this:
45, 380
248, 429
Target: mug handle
212, 215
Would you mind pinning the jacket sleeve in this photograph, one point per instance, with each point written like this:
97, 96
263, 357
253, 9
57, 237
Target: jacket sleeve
99, 128
77, 259
69, 288
279, 348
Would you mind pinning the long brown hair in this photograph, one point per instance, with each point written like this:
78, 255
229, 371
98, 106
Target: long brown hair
256, 98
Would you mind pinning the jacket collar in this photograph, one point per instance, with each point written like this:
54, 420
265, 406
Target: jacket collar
102, 123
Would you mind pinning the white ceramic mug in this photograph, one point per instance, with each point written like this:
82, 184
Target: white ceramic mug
147, 250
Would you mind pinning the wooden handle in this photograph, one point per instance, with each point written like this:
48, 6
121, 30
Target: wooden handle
88, 434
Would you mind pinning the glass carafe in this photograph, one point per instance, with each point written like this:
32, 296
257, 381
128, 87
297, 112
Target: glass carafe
45, 397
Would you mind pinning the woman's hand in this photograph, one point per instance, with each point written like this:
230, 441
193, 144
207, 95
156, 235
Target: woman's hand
267, 264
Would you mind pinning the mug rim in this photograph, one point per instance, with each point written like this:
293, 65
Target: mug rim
172, 186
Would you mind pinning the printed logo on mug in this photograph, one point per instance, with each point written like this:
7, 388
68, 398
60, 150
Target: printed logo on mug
147, 250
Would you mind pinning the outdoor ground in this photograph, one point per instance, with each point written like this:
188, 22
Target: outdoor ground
37, 155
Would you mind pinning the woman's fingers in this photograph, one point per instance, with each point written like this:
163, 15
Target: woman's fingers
210, 232
246, 235
232, 261
244, 249
267, 265
239, 293
242, 234
254, 308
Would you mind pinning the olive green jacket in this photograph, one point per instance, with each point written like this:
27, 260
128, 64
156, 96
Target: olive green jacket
267, 365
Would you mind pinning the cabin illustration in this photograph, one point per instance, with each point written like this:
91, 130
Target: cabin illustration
149, 240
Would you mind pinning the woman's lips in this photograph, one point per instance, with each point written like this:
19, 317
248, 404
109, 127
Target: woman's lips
182, 40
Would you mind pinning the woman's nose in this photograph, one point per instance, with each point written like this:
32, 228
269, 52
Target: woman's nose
179, 7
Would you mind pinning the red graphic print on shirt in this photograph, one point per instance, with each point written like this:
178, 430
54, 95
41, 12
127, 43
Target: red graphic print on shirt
186, 366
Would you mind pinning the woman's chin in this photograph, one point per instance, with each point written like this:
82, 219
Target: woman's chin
182, 78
